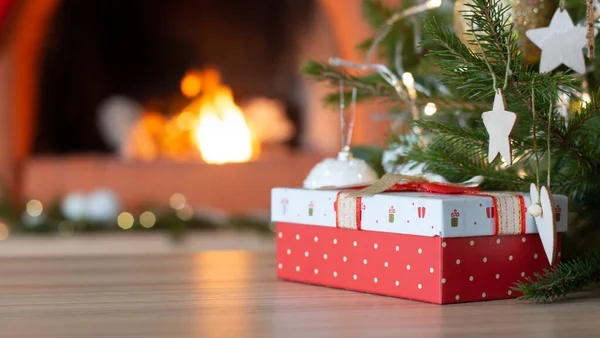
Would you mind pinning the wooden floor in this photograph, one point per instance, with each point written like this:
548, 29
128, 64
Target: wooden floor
235, 294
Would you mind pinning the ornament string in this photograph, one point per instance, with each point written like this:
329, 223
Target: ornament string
342, 114
590, 31
550, 113
346, 130
487, 63
535, 150
562, 5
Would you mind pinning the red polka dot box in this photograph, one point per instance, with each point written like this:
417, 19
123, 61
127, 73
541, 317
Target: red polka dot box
438, 248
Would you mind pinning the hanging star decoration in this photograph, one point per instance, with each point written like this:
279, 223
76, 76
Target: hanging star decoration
499, 124
561, 43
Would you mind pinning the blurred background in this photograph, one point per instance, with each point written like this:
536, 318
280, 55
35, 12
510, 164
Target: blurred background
150, 125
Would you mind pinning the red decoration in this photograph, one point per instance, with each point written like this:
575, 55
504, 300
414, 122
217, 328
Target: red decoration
437, 188
454, 218
489, 212
392, 211
311, 207
421, 212
430, 269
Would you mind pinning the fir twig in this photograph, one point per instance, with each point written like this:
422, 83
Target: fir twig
367, 86
558, 281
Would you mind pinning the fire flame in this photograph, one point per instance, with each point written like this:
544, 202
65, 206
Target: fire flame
212, 125
222, 134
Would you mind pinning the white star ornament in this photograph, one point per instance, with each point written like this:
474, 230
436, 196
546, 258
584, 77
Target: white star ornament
561, 43
499, 124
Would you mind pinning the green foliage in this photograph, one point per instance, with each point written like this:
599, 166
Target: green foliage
169, 221
561, 280
369, 87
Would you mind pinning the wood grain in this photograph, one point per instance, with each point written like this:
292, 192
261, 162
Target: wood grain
235, 294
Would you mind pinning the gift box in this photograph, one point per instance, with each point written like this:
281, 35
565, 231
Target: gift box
431, 247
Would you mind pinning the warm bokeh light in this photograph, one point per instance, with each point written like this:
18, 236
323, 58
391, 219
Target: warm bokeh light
4, 231
191, 84
186, 213
586, 99
177, 201
434, 3
408, 80
430, 109
147, 219
125, 220
34, 208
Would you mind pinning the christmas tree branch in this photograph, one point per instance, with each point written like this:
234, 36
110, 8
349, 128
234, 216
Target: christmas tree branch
557, 282
368, 87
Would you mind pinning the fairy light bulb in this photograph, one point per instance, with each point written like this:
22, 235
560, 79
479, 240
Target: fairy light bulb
434, 3
408, 80
430, 109
586, 99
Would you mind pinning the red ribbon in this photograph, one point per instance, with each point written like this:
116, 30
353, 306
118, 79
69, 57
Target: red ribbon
436, 188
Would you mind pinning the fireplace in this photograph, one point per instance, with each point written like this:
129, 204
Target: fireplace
117, 94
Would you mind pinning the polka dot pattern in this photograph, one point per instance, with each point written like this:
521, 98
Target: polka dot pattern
474, 268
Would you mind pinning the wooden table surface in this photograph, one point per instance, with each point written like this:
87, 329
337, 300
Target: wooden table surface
235, 294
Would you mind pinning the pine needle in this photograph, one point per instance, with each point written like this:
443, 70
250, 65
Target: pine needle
557, 282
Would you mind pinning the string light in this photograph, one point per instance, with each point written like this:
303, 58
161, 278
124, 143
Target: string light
409, 83
4, 231
177, 201
147, 219
125, 220
408, 80
430, 109
185, 213
586, 99
34, 208
434, 3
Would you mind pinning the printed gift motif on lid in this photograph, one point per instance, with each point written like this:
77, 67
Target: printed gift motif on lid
311, 208
421, 212
392, 211
489, 212
557, 212
454, 218
284, 204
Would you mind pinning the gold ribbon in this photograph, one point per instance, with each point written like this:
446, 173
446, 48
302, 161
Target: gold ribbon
349, 201
509, 213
